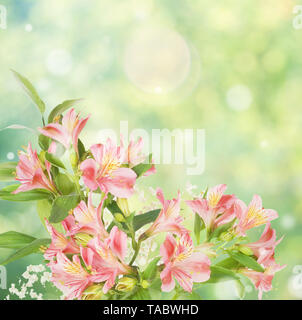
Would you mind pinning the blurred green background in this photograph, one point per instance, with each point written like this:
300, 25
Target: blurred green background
230, 67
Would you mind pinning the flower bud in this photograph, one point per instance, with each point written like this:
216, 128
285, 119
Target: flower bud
82, 239
119, 217
246, 250
143, 236
226, 236
94, 292
42, 157
126, 284
73, 158
43, 249
145, 284
124, 206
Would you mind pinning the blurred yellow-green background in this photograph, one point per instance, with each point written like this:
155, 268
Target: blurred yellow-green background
233, 68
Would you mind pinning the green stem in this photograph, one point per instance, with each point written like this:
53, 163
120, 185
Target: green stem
135, 253
221, 246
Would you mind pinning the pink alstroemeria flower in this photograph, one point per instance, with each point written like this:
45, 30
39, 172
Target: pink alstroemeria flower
135, 155
263, 280
88, 219
105, 258
216, 209
252, 216
70, 276
105, 171
59, 243
264, 248
183, 262
169, 219
30, 172
68, 132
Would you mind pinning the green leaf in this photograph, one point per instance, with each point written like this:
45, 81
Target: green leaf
54, 160
64, 184
240, 288
113, 207
228, 263
142, 168
150, 271
156, 286
247, 261
44, 209
61, 206
145, 218
221, 274
7, 171
37, 194
218, 231
14, 240
44, 142
112, 224
141, 294
59, 109
198, 226
30, 248
81, 149
30, 90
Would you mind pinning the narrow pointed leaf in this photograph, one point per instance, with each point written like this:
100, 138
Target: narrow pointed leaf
198, 226
145, 218
240, 288
14, 240
30, 248
37, 194
59, 109
142, 168
221, 274
247, 261
30, 90
7, 171
218, 231
81, 149
228, 263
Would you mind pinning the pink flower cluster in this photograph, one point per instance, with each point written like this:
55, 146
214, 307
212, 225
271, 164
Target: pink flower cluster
217, 209
87, 253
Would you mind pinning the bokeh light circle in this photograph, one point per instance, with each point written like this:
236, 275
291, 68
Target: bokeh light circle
239, 97
157, 60
10, 156
288, 221
59, 62
28, 27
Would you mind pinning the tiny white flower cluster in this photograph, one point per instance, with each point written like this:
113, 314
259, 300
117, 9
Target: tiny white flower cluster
140, 193
32, 275
147, 248
190, 187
